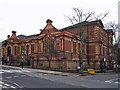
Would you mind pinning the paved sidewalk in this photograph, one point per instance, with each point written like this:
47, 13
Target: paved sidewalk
77, 75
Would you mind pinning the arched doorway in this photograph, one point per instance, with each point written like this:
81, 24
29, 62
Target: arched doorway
8, 51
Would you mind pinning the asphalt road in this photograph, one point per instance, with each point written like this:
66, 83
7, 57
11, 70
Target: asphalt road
23, 78
18, 78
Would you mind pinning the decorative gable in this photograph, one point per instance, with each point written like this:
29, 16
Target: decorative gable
14, 38
49, 28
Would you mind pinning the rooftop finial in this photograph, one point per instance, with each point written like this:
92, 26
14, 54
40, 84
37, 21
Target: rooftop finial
49, 21
8, 36
14, 32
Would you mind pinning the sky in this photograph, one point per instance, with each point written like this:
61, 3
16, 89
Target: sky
27, 17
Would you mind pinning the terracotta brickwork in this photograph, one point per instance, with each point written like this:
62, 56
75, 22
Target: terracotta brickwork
96, 46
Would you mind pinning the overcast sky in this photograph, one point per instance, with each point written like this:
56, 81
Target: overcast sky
29, 16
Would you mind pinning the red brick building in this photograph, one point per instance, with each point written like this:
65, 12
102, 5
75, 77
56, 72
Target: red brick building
66, 43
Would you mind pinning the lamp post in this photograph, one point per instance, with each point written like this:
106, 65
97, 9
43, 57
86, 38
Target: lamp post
104, 65
22, 59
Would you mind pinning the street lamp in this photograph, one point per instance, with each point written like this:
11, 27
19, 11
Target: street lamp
22, 58
104, 64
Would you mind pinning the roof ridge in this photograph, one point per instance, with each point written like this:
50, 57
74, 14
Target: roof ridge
77, 24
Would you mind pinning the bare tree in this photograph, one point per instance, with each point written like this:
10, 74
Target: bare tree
79, 16
115, 47
49, 50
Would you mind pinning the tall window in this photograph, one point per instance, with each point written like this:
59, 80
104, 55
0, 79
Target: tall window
18, 50
43, 45
83, 49
48, 45
103, 51
106, 51
32, 48
51, 44
74, 46
100, 49
15, 50
78, 47
39, 47
27, 49
57, 42
3, 51
61, 44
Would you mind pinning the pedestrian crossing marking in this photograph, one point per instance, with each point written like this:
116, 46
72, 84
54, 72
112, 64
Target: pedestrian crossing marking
13, 71
1, 72
8, 77
6, 71
5, 85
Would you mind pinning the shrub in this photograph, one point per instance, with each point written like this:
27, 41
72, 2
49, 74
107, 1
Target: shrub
87, 67
60, 67
26, 61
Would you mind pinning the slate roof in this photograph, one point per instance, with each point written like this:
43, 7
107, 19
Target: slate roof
24, 36
82, 23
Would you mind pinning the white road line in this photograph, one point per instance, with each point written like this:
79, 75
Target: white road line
15, 76
114, 79
13, 71
16, 71
4, 87
7, 71
1, 72
6, 84
8, 77
12, 87
22, 75
117, 82
109, 81
26, 71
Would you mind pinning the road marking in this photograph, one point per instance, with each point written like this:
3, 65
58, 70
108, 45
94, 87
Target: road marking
117, 82
109, 81
6, 84
15, 76
12, 87
1, 82
8, 77
1, 72
7, 71
22, 75
26, 71
113, 81
13, 71
16, 71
